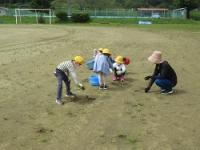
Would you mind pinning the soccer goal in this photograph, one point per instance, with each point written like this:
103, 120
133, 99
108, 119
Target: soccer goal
35, 15
179, 13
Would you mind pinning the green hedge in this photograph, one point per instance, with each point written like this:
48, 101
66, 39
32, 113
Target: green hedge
80, 17
195, 15
41, 19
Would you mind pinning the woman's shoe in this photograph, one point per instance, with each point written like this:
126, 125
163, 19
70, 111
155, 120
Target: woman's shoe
167, 92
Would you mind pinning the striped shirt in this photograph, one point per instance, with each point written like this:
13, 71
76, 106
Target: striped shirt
69, 68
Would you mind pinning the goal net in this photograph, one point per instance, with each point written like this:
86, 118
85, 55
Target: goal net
179, 13
33, 16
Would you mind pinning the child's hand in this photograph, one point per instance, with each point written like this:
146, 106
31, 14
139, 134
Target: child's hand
111, 71
81, 86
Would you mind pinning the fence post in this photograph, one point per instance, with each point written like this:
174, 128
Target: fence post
16, 15
50, 16
36, 16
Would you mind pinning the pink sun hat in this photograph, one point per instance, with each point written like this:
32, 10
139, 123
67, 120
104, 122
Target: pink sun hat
156, 57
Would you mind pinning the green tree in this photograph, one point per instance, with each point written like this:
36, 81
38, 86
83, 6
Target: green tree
41, 4
188, 4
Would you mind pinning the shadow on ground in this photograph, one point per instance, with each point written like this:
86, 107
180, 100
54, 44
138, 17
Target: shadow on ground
82, 99
118, 85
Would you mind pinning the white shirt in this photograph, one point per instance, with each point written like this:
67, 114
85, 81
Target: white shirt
121, 68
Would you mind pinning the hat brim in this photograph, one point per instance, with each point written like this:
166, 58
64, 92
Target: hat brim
154, 60
119, 62
106, 53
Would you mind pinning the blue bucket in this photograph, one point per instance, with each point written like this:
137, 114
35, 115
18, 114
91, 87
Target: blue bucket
94, 80
90, 64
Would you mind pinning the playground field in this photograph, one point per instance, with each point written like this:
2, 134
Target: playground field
121, 118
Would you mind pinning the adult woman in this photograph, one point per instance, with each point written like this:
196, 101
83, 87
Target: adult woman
164, 75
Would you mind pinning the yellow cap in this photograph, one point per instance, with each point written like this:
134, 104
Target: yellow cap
106, 51
119, 60
100, 49
79, 59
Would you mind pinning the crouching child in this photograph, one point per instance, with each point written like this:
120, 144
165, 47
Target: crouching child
119, 69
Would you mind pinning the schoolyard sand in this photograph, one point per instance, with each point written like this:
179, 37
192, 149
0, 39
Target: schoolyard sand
121, 118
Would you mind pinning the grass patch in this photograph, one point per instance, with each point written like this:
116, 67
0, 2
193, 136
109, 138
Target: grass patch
25, 20
103, 21
158, 24
132, 141
136, 20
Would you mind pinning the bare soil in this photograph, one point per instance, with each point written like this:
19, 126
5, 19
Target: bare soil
121, 118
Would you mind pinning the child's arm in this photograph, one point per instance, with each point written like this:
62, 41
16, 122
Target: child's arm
123, 68
110, 63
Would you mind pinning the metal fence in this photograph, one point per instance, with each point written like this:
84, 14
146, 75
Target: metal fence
117, 13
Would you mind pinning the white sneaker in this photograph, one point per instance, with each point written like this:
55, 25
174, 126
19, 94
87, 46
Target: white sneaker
71, 95
167, 92
59, 102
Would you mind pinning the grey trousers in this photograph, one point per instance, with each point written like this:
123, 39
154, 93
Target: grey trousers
61, 76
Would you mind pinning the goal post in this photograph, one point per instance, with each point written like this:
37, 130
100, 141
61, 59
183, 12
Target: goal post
33, 13
179, 13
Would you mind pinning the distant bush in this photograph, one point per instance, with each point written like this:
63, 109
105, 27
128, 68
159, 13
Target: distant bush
80, 17
62, 16
195, 15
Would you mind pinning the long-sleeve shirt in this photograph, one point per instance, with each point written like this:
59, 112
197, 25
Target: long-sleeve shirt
164, 71
69, 68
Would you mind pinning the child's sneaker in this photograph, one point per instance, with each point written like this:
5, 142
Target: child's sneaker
122, 78
105, 87
114, 78
101, 87
59, 102
72, 95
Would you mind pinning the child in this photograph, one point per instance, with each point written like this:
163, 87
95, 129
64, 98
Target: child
119, 69
62, 74
102, 65
97, 52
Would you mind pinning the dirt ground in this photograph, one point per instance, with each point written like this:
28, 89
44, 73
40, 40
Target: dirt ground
121, 118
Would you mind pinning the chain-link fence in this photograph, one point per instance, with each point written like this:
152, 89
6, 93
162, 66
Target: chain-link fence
114, 13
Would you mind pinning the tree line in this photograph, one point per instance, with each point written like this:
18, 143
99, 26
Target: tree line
105, 4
